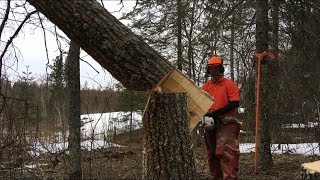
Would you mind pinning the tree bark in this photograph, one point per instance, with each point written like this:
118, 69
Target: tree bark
73, 85
125, 55
262, 42
179, 34
232, 47
166, 138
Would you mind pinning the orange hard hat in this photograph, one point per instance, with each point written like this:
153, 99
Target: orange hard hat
215, 60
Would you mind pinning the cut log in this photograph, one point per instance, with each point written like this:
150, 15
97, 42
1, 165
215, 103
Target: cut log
310, 170
199, 102
166, 140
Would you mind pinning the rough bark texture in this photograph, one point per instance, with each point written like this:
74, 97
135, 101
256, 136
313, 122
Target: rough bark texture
262, 41
167, 142
179, 34
125, 55
232, 28
73, 84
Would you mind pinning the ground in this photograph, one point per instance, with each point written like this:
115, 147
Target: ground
126, 163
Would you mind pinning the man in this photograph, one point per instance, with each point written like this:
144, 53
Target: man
222, 138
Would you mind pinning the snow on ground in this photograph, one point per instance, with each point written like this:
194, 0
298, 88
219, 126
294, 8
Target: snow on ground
300, 125
97, 127
101, 124
94, 131
303, 148
40, 147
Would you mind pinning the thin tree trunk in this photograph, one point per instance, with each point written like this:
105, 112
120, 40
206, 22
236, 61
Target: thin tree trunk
73, 85
191, 65
125, 55
231, 48
179, 36
166, 138
262, 41
275, 27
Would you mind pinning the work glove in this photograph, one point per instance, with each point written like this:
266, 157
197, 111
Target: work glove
213, 114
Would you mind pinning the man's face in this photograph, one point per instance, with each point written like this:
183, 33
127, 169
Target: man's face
214, 70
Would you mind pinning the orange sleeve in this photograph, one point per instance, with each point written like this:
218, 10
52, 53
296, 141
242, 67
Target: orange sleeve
233, 92
204, 86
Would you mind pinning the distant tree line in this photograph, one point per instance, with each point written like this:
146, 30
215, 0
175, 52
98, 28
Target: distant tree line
32, 101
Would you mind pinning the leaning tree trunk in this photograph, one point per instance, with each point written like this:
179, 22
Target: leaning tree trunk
125, 55
73, 85
138, 67
166, 138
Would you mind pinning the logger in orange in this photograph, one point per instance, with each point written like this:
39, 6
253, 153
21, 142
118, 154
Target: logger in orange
222, 136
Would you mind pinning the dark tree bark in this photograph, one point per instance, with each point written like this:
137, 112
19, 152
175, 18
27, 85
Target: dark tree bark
125, 55
262, 42
166, 138
73, 85
179, 34
275, 27
274, 68
232, 47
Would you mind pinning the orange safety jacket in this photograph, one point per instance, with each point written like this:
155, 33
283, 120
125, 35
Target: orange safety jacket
223, 91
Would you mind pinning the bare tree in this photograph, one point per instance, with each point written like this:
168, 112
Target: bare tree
179, 34
73, 85
262, 42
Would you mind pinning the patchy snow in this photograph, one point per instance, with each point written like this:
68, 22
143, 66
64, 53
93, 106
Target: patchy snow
304, 148
300, 125
40, 148
96, 127
241, 110
102, 124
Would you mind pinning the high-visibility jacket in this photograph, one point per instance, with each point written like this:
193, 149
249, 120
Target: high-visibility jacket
223, 91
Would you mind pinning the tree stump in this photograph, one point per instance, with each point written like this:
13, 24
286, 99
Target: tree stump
167, 150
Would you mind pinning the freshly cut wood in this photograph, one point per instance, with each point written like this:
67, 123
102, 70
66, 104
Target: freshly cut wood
312, 167
310, 170
167, 150
199, 102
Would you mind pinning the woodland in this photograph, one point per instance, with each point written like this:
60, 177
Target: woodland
161, 35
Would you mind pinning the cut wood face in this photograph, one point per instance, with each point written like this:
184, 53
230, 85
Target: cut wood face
312, 167
199, 102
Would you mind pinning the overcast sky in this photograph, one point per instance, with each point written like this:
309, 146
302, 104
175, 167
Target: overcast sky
31, 45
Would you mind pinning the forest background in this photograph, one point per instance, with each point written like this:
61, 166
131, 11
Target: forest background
187, 34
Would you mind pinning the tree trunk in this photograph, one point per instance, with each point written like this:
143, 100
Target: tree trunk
179, 34
262, 41
231, 48
73, 85
166, 138
274, 69
275, 27
125, 55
